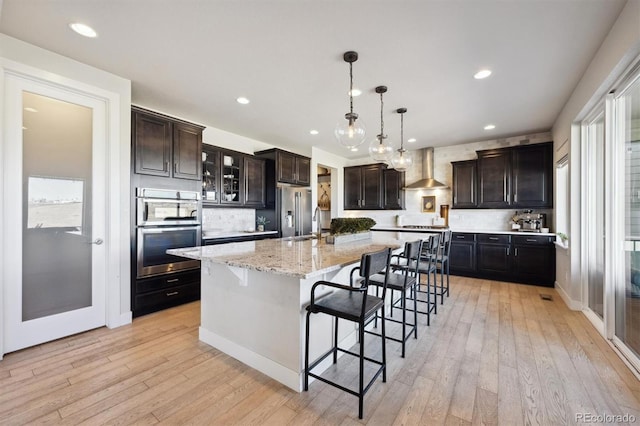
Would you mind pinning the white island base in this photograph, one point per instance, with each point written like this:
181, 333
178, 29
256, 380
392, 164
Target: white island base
259, 318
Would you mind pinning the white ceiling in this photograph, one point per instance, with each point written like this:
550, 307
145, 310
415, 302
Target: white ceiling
193, 58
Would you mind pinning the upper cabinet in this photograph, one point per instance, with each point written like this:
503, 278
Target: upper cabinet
532, 176
392, 189
494, 179
231, 178
514, 177
289, 167
465, 184
373, 187
164, 146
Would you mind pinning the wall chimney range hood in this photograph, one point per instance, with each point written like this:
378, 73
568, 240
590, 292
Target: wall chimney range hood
427, 181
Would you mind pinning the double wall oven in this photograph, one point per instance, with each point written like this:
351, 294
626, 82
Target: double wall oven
166, 219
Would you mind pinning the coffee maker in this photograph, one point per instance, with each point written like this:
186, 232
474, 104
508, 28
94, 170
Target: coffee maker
530, 222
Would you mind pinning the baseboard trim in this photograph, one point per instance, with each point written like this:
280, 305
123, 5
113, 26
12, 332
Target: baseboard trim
574, 305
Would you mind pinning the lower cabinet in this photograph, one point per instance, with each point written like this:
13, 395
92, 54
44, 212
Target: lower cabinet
462, 255
528, 259
165, 291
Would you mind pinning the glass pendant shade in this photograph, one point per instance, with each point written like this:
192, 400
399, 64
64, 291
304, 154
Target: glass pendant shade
350, 134
380, 150
402, 160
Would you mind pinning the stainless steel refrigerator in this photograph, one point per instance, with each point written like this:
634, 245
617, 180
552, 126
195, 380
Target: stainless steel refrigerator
294, 205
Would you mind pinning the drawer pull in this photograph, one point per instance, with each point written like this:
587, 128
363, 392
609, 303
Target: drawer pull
494, 238
175, 280
531, 240
173, 293
460, 237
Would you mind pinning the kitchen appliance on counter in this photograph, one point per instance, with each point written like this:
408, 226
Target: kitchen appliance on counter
529, 221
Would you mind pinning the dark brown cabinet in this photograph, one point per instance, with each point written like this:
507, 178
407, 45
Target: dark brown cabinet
493, 253
289, 167
494, 171
162, 292
363, 187
462, 254
523, 177
531, 176
514, 177
392, 184
464, 184
526, 258
232, 179
163, 146
254, 182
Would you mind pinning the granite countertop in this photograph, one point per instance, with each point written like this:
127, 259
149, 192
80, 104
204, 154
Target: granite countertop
231, 234
301, 259
472, 231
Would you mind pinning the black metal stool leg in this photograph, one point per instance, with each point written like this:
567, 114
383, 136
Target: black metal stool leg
306, 354
361, 378
384, 349
335, 341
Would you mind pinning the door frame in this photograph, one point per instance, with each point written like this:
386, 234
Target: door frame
117, 265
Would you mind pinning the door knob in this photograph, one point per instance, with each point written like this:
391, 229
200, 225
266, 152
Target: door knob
97, 242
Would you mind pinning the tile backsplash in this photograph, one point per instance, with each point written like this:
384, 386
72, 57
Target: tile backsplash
228, 219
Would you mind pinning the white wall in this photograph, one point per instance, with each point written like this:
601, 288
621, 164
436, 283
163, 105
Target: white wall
59, 69
618, 50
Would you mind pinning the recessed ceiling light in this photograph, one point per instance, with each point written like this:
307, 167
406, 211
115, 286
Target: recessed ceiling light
83, 30
355, 92
411, 140
354, 149
30, 109
314, 132
242, 100
490, 127
482, 74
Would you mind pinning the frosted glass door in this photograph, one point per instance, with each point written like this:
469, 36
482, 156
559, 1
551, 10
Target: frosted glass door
56, 249
56, 165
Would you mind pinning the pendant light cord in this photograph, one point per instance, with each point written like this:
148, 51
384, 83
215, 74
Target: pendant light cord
381, 119
402, 133
351, 87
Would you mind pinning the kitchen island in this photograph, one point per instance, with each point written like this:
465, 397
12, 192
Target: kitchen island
254, 294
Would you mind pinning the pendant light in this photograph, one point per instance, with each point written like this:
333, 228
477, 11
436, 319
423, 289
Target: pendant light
378, 149
350, 133
402, 159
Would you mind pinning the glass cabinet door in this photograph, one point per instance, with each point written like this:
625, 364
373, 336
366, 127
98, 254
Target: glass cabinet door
210, 177
231, 178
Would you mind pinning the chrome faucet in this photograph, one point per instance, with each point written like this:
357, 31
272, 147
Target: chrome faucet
316, 218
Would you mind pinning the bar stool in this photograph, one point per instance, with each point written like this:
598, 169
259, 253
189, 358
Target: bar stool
442, 264
404, 280
354, 304
427, 267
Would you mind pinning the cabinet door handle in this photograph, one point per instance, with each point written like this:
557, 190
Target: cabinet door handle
175, 167
508, 251
173, 293
175, 280
166, 166
515, 198
455, 199
515, 251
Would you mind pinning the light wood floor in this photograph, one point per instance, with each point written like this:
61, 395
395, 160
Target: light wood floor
495, 354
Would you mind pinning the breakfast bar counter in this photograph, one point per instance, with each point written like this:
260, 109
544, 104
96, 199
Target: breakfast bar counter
254, 294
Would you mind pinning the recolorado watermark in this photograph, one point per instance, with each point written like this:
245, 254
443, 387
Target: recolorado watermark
605, 418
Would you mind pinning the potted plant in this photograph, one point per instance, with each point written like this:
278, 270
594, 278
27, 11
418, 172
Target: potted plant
347, 229
261, 221
563, 237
